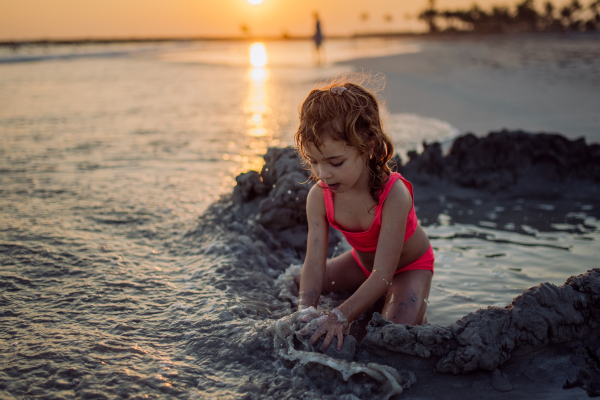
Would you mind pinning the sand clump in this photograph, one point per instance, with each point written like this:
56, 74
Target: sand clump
512, 163
364, 380
546, 339
487, 338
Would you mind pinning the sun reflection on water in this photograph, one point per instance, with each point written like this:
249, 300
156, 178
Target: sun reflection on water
260, 126
258, 55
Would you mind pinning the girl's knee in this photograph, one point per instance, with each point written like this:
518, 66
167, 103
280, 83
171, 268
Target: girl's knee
405, 308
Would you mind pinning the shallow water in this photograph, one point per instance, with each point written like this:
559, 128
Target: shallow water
495, 250
111, 284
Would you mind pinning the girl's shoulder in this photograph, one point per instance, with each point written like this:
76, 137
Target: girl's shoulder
398, 195
316, 189
315, 201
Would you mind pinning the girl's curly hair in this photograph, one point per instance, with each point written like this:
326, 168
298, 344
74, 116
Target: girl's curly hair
352, 117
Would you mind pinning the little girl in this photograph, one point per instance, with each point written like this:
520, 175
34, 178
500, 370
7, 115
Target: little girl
341, 136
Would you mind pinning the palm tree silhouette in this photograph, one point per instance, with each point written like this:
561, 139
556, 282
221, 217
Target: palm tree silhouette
245, 29
594, 23
388, 18
576, 7
429, 16
364, 17
525, 18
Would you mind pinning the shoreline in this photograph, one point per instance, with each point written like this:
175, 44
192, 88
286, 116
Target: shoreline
374, 35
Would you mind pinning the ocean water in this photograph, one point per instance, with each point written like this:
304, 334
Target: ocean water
115, 283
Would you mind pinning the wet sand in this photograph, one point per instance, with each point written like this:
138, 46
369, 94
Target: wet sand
547, 83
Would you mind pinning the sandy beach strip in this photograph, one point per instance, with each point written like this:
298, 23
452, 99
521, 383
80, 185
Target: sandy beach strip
538, 83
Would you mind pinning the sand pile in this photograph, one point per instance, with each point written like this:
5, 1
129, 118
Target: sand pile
564, 319
512, 163
544, 341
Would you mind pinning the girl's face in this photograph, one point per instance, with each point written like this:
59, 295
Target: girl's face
337, 164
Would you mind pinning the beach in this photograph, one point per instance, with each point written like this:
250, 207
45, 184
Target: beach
141, 257
478, 84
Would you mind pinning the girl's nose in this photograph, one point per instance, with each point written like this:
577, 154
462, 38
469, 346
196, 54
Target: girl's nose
323, 173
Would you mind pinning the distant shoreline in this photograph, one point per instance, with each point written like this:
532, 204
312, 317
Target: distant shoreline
373, 35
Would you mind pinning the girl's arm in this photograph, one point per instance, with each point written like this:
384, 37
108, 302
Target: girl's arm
313, 270
389, 248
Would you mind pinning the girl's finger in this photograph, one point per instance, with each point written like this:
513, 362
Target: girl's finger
308, 318
307, 329
327, 341
340, 339
317, 334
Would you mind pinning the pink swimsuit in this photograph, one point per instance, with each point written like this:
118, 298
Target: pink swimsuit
366, 241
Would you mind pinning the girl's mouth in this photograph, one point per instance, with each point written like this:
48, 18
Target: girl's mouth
334, 187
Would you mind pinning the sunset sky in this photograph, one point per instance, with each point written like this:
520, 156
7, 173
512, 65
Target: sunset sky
38, 19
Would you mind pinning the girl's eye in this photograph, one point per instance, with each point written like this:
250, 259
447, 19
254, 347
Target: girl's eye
337, 164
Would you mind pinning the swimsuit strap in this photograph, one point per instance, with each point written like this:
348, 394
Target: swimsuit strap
367, 240
328, 198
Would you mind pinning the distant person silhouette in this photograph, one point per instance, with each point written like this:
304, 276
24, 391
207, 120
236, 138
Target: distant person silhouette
318, 38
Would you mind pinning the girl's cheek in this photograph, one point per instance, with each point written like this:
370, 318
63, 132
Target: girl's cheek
316, 171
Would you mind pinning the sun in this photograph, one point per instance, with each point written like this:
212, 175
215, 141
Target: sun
258, 55
255, 1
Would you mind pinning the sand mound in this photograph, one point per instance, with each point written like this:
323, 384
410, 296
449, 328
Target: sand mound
544, 341
512, 163
486, 339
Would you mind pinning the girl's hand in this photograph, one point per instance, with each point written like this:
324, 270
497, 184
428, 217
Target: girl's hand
307, 314
332, 324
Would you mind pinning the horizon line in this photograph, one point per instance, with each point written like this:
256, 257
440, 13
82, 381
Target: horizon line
364, 35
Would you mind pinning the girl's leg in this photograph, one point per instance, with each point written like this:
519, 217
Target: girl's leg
343, 273
405, 300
